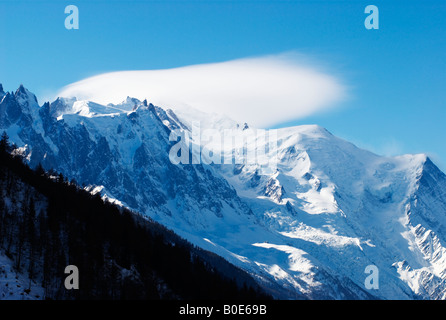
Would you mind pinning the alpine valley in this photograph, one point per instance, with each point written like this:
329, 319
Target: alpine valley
306, 230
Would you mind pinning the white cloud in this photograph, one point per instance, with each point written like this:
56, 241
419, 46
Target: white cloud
262, 91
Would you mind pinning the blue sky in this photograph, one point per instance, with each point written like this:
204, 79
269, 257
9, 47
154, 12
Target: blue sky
396, 75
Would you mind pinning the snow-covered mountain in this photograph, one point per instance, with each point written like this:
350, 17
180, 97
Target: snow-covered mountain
306, 228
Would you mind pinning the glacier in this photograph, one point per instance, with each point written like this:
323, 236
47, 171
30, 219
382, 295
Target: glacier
305, 230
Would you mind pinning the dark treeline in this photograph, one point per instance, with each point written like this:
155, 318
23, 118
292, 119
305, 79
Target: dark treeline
47, 223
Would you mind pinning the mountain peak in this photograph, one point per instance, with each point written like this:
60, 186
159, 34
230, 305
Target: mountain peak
25, 98
21, 90
429, 168
61, 106
314, 129
2, 93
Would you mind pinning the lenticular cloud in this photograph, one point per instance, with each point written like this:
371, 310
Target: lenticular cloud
262, 91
